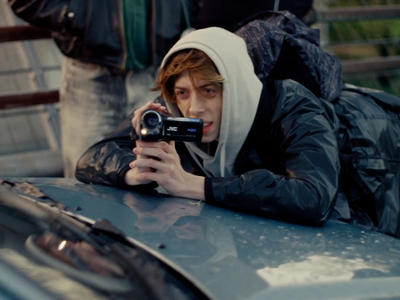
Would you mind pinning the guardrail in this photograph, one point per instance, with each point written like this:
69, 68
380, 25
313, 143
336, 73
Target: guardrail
358, 13
21, 33
28, 99
375, 64
371, 12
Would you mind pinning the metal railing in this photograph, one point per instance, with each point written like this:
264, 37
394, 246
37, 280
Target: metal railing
23, 33
358, 13
365, 65
30, 145
28, 99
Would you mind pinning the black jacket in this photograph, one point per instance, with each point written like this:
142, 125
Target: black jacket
369, 149
288, 168
92, 30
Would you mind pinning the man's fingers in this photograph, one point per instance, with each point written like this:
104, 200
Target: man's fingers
137, 114
145, 163
163, 153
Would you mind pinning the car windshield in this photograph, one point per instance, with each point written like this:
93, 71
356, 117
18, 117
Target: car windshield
95, 255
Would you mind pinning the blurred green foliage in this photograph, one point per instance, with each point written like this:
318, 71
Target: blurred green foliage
364, 30
363, 39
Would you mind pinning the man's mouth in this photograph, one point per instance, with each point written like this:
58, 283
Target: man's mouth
206, 127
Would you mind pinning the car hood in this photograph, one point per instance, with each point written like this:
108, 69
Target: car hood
232, 255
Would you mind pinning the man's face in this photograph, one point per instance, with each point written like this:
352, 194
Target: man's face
202, 100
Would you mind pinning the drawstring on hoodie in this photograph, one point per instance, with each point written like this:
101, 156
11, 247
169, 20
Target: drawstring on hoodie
223, 158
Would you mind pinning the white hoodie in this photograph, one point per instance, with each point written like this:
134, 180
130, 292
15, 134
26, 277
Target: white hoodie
241, 94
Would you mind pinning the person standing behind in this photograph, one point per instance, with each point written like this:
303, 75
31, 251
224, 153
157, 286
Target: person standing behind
111, 52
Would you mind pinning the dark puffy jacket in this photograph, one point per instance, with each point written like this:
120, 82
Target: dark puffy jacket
93, 30
282, 47
288, 168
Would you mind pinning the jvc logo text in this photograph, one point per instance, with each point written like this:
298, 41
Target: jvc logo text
172, 128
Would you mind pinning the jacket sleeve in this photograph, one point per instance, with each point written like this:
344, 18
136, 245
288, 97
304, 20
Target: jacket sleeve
303, 132
58, 16
107, 161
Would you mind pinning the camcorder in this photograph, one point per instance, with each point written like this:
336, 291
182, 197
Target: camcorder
156, 126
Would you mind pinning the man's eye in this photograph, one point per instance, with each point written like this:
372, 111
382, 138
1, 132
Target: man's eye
181, 94
209, 92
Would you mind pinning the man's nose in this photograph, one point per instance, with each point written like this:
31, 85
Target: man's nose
196, 104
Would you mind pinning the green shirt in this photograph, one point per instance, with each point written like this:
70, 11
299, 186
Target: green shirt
135, 14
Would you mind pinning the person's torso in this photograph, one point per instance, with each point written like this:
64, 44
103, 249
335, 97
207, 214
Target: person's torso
125, 34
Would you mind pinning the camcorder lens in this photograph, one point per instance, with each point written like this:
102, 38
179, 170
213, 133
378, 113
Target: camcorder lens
151, 119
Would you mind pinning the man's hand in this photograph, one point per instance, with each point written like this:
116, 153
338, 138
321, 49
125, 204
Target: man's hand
131, 175
160, 162
137, 114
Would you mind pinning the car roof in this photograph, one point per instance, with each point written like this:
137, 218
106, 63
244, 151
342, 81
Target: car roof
233, 255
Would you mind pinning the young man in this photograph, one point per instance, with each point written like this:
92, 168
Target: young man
268, 147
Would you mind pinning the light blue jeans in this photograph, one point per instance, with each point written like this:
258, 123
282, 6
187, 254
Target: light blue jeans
93, 101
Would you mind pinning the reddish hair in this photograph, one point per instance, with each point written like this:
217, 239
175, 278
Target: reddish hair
195, 61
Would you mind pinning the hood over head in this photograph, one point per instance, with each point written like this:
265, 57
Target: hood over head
241, 94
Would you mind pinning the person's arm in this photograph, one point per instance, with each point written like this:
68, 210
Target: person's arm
58, 16
303, 131
106, 162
